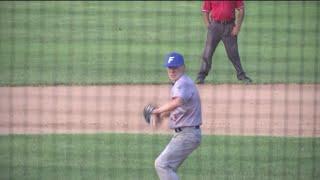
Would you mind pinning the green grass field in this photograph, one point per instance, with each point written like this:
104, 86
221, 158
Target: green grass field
49, 43
121, 156
124, 42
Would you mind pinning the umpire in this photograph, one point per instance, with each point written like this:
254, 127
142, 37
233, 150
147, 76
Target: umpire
223, 24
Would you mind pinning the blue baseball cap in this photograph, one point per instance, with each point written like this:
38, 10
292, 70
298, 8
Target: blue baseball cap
173, 60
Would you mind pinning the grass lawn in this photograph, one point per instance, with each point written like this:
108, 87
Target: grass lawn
124, 42
128, 156
49, 43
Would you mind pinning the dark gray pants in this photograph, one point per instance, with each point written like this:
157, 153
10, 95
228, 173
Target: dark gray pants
217, 32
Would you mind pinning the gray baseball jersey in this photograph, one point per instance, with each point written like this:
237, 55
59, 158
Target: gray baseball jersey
189, 113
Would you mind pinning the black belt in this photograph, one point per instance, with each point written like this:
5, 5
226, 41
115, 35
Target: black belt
224, 21
181, 128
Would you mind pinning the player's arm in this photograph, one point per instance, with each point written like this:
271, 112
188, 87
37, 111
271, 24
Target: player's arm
169, 106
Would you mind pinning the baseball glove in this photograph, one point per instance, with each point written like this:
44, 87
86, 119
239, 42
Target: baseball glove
147, 112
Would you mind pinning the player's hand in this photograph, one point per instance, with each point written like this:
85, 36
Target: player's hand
147, 113
156, 120
159, 119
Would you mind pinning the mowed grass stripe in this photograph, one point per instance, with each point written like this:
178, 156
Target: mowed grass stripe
124, 42
131, 156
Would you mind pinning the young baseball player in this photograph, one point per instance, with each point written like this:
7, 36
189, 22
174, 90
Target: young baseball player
184, 109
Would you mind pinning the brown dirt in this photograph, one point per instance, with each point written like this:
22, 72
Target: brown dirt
275, 110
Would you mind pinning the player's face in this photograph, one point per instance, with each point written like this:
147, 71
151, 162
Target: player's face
175, 73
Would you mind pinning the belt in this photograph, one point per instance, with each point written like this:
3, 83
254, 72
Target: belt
179, 129
224, 21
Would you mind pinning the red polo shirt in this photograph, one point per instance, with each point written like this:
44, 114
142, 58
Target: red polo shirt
222, 10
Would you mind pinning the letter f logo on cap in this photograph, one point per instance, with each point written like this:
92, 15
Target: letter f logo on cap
173, 60
170, 59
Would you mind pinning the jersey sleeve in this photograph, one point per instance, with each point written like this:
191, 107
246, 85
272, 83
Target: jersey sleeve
206, 6
239, 4
182, 91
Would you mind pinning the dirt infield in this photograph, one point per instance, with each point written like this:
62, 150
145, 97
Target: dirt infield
276, 110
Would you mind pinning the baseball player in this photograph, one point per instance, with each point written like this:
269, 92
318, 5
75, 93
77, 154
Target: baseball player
184, 110
223, 24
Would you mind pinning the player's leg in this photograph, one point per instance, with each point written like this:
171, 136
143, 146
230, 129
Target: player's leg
178, 149
213, 39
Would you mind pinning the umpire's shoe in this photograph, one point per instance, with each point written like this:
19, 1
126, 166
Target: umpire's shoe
245, 79
200, 80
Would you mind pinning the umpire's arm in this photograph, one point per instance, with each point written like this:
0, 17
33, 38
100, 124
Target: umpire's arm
206, 18
238, 21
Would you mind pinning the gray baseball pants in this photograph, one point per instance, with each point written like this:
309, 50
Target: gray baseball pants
181, 145
216, 33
